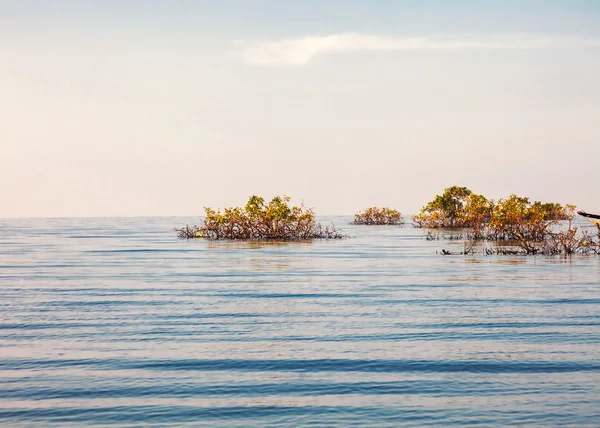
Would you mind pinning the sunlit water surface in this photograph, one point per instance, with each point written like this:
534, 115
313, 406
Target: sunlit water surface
117, 322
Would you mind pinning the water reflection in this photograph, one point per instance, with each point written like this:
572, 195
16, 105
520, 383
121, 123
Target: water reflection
139, 328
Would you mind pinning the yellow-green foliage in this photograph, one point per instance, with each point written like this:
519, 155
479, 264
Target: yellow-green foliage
378, 216
516, 217
261, 220
456, 207
512, 218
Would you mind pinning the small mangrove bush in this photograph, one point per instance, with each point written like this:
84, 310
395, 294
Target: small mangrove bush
275, 220
378, 216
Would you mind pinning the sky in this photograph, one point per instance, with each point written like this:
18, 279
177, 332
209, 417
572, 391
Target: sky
150, 108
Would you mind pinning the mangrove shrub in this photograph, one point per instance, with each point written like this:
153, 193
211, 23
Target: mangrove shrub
261, 220
516, 217
456, 207
530, 225
378, 216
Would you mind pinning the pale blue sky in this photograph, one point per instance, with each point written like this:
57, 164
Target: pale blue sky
114, 108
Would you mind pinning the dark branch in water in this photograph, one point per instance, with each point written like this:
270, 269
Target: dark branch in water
561, 243
187, 232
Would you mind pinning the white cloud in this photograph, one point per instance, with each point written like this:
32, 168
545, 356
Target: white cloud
300, 51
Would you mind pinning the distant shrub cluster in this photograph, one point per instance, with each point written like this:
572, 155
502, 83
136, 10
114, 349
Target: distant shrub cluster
514, 224
276, 220
378, 216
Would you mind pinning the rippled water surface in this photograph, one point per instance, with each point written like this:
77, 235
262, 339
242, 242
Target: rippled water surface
116, 322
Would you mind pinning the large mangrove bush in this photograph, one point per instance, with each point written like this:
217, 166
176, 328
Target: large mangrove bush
258, 219
532, 226
459, 207
456, 207
378, 216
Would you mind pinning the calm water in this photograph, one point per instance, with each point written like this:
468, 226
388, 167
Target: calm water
117, 322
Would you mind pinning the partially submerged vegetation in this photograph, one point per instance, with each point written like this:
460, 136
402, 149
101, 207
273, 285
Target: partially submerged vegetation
378, 216
563, 242
508, 226
457, 207
524, 227
275, 220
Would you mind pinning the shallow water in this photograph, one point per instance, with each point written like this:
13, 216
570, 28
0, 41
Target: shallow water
117, 322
